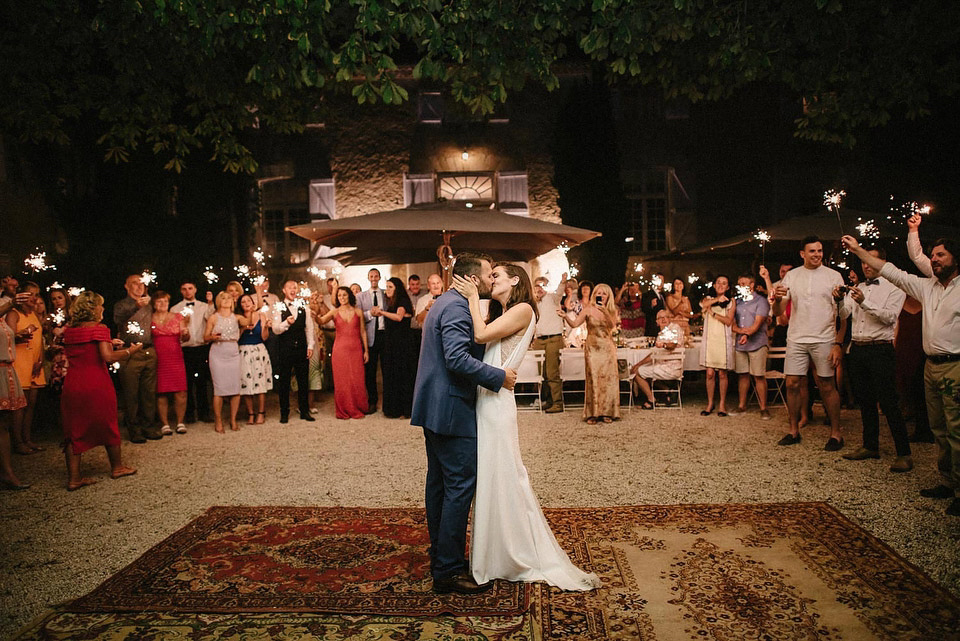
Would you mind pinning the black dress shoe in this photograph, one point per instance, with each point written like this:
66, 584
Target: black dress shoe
789, 439
952, 510
833, 444
461, 584
284, 418
371, 410
922, 437
939, 492
307, 417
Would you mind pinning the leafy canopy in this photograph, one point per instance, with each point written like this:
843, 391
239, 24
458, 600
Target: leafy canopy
183, 75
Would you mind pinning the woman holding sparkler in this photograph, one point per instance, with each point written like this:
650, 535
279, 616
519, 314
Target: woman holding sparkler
168, 330
349, 355
89, 402
256, 371
11, 396
716, 352
679, 306
223, 331
28, 363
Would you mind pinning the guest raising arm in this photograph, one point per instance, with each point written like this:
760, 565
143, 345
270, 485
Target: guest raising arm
602, 384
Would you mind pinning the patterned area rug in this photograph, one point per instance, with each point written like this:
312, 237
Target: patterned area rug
724, 572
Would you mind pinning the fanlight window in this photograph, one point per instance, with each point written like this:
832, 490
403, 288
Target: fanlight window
466, 187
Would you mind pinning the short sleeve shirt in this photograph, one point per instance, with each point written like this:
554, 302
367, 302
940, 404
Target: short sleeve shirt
813, 311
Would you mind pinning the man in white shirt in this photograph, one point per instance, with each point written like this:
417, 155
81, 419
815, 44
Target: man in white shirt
415, 292
940, 298
195, 353
293, 325
371, 303
812, 335
548, 336
423, 305
875, 306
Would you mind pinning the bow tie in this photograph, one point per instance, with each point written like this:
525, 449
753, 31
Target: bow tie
191, 304
872, 281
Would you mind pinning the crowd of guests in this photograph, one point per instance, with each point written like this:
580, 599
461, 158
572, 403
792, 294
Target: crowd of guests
200, 360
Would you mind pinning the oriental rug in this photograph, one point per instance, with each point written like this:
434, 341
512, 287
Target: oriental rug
724, 572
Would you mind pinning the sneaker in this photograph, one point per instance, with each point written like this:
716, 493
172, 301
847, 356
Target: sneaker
314, 410
166, 431
181, 428
764, 415
789, 439
737, 411
862, 454
556, 408
902, 464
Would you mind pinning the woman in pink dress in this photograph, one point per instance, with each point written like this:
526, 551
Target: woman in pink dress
168, 329
88, 405
349, 355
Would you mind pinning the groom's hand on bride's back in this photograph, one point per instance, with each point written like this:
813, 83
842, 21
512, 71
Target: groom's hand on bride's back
511, 378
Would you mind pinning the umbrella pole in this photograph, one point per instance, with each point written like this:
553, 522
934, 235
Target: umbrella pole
445, 258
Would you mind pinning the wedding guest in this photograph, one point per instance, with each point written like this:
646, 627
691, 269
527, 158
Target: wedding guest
316, 308
630, 307
349, 355
875, 306
940, 297
235, 289
371, 302
415, 292
53, 326
167, 330
293, 325
256, 372
652, 302
223, 332
573, 336
138, 374
89, 402
266, 302
584, 292
548, 336
602, 380
11, 394
329, 332
28, 364
915, 249
434, 289
751, 313
716, 351
669, 337
356, 289
399, 367
195, 353
8, 287
679, 306
812, 335
908, 345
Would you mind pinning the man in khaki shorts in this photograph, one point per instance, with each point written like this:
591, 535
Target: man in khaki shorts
812, 335
751, 343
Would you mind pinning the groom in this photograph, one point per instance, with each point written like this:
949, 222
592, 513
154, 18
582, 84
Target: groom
444, 401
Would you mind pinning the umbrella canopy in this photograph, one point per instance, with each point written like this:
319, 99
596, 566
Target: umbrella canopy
416, 234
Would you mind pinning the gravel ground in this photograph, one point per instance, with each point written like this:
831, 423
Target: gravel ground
59, 545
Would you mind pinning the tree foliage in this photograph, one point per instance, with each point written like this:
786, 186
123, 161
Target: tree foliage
178, 76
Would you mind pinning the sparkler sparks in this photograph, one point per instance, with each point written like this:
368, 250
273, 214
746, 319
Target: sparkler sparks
133, 327
278, 306
762, 236
259, 256
656, 281
831, 200
868, 229
669, 335
692, 278
186, 312
668, 287
56, 285
639, 268
744, 293
38, 262
305, 291
316, 271
75, 291
59, 317
242, 270
258, 280
148, 277
563, 247
210, 275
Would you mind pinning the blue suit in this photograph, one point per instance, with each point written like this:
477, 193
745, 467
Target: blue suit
444, 405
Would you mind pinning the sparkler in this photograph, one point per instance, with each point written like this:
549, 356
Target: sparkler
656, 281
210, 275
133, 327
278, 306
265, 309
258, 280
668, 287
56, 285
692, 278
868, 229
148, 277
563, 247
59, 317
639, 268
744, 293
186, 312
764, 238
305, 291
259, 256
38, 262
75, 291
669, 335
316, 271
242, 271
574, 271
831, 200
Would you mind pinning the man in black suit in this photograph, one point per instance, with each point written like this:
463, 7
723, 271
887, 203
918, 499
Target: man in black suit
295, 337
651, 303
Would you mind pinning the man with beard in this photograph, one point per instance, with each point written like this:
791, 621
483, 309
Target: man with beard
940, 297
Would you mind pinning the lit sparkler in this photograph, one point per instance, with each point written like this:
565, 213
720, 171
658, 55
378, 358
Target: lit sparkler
656, 281
639, 268
242, 271
133, 327
38, 262
744, 293
56, 285
259, 256
278, 306
186, 312
305, 291
668, 287
669, 335
147, 277
75, 291
563, 247
764, 238
316, 271
265, 309
831, 200
574, 271
868, 229
59, 317
258, 280
210, 275
692, 278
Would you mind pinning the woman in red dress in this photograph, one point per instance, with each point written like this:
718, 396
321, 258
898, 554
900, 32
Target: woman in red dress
88, 405
167, 330
349, 355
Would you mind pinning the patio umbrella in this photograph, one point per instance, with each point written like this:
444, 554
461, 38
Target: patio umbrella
435, 231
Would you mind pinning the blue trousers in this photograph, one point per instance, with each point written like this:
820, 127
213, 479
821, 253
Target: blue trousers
451, 483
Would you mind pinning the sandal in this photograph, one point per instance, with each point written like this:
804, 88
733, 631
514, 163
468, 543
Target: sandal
647, 405
71, 486
606, 419
166, 430
591, 421
706, 412
250, 419
181, 428
262, 417
23, 449
120, 472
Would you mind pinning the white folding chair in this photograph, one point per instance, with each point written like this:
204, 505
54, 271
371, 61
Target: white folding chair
573, 377
776, 379
665, 386
530, 375
626, 379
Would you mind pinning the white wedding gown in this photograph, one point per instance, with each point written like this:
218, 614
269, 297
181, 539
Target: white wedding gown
511, 538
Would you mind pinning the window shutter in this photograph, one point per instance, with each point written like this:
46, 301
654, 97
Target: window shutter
512, 193
417, 189
323, 199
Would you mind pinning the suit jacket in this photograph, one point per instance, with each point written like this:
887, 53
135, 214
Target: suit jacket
445, 395
651, 304
365, 303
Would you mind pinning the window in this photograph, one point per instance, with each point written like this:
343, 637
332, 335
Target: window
280, 242
417, 189
466, 186
512, 192
647, 206
430, 107
323, 199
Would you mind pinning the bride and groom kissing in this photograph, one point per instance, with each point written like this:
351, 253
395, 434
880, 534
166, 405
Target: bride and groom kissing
463, 400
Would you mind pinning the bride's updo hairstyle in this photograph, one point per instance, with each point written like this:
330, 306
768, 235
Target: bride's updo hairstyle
522, 292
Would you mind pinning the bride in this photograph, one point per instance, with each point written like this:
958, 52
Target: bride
511, 538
